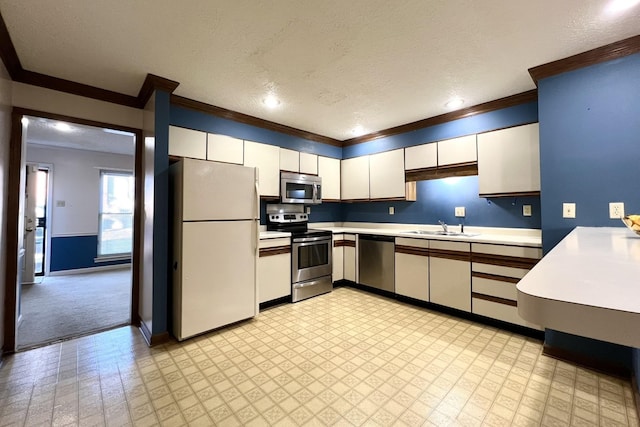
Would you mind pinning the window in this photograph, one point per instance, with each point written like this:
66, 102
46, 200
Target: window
115, 216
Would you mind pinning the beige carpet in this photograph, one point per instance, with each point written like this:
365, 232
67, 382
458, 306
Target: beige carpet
61, 307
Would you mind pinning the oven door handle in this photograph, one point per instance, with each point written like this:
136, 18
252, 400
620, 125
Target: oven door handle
310, 239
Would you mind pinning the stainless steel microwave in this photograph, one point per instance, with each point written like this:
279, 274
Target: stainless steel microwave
299, 188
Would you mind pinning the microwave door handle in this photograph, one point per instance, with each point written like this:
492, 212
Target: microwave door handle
315, 192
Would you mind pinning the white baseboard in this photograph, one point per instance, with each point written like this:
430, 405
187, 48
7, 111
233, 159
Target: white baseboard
89, 269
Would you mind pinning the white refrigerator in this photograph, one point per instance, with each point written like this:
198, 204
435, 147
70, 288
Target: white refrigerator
215, 245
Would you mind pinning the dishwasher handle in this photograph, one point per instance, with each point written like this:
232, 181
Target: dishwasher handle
376, 238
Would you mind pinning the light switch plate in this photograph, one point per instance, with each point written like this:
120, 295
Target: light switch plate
568, 210
60, 203
392, 210
460, 212
526, 210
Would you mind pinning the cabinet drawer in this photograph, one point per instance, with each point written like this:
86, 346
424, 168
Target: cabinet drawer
416, 243
499, 270
496, 310
272, 243
449, 246
512, 251
496, 288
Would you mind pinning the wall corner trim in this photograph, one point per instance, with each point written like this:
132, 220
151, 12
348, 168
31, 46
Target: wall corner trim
605, 53
152, 83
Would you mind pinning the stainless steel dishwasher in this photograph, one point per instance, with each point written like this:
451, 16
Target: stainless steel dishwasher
376, 262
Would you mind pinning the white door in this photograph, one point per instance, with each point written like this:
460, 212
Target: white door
218, 274
218, 191
30, 222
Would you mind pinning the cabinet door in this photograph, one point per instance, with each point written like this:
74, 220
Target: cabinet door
309, 163
354, 180
329, 171
509, 161
187, 143
350, 257
412, 268
457, 150
450, 274
289, 160
267, 159
338, 258
223, 148
274, 277
386, 175
421, 156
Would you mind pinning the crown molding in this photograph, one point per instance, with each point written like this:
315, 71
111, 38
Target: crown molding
609, 52
250, 120
509, 101
152, 83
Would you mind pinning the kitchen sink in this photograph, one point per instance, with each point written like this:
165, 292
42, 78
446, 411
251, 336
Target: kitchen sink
441, 233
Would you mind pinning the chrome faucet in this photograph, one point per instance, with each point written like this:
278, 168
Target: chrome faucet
444, 226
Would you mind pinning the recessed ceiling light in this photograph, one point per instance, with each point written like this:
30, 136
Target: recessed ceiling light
616, 6
62, 127
271, 101
454, 103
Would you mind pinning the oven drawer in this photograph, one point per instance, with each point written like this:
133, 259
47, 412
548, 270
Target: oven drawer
311, 288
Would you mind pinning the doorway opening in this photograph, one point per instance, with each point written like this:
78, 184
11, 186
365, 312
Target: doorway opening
78, 244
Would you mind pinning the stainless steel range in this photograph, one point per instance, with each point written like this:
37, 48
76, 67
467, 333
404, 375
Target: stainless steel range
310, 251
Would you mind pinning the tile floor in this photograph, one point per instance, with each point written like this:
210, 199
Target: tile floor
345, 358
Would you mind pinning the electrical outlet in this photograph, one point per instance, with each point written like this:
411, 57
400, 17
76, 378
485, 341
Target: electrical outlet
392, 210
526, 210
308, 210
460, 212
568, 210
616, 210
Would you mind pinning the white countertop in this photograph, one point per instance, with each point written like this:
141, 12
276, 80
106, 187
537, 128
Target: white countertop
480, 234
273, 234
588, 285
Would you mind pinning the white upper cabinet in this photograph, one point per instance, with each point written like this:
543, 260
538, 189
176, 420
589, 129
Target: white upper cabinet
354, 181
457, 150
309, 163
267, 159
509, 161
187, 143
289, 160
386, 175
329, 171
223, 148
421, 156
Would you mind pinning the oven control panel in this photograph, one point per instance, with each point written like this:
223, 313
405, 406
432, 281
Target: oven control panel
284, 218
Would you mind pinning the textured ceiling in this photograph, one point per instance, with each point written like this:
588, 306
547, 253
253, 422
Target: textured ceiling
334, 64
80, 137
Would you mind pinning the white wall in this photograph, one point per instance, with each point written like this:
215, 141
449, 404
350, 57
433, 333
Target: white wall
41, 99
5, 132
75, 179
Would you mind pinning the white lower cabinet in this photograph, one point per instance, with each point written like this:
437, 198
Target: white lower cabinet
274, 269
338, 257
412, 268
496, 269
349, 249
450, 274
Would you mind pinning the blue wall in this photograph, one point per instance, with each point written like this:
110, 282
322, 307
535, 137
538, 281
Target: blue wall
507, 117
590, 155
589, 145
436, 200
73, 252
191, 119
